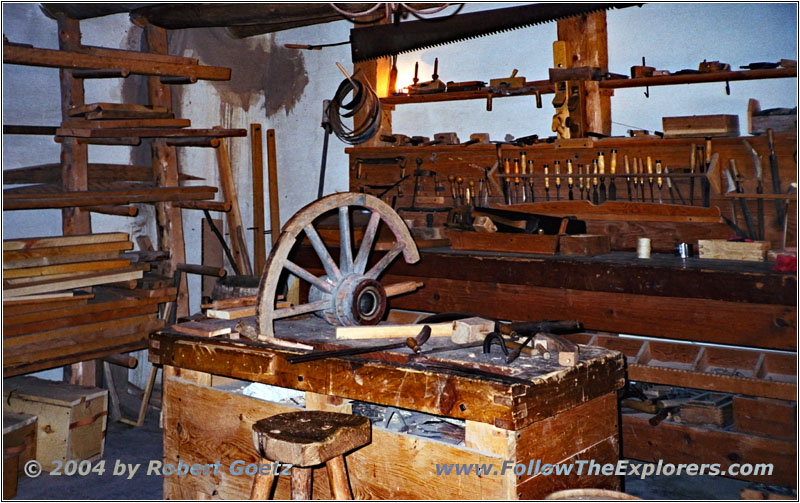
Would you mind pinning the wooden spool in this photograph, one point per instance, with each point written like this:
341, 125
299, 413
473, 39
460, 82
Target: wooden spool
304, 439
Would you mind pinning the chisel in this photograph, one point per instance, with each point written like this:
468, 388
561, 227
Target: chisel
452, 180
650, 178
557, 169
506, 191
546, 185
677, 189
530, 180
516, 181
601, 166
660, 182
748, 221
612, 186
759, 188
595, 198
641, 180
569, 179
580, 180
775, 174
523, 166
635, 179
628, 178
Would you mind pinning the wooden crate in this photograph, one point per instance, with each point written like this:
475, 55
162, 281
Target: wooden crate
701, 125
19, 447
72, 419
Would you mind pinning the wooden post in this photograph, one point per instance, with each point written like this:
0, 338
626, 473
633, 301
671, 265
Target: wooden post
259, 248
587, 45
274, 202
74, 167
165, 174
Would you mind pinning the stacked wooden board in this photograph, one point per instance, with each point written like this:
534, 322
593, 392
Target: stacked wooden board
50, 319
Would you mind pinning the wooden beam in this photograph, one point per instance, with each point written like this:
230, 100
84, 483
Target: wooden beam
10, 256
233, 217
89, 198
47, 270
274, 201
148, 133
79, 281
55, 241
96, 172
32, 56
53, 310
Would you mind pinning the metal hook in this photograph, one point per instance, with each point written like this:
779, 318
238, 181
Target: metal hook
647, 92
727, 88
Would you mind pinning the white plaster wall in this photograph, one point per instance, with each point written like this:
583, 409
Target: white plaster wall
671, 36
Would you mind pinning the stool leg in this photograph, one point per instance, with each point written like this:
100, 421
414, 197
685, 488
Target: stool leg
301, 483
337, 475
262, 484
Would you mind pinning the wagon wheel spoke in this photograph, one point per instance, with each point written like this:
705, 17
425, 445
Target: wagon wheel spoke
327, 261
360, 264
345, 247
384, 262
303, 274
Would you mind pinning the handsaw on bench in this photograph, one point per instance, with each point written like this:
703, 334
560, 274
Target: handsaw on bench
376, 41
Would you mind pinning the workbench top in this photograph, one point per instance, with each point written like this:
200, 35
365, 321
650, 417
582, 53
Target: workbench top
464, 384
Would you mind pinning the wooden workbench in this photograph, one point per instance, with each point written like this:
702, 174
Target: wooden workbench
530, 410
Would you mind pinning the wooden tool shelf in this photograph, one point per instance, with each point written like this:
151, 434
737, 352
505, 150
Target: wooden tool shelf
546, 87
507, 413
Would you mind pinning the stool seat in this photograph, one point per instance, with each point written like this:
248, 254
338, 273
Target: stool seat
308, 438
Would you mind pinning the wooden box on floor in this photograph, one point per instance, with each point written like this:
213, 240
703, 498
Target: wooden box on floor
71, 419
19, 447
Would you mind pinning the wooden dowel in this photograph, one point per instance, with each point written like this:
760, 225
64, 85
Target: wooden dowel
257, 154
122, 360
123, 211
178, 80
203, 270
223, 206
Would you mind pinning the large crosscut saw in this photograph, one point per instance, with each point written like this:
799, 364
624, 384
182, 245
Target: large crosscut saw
390, 39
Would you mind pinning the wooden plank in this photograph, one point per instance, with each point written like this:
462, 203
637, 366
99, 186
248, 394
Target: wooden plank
229, 303
19, 55
149, 133
139, 341
88, 108
18, 307
125, 123
384, 331
761, 416
66, 268
259, 245
205, 328
52, 338
128, 196
503, 242
233, 217
670, 317
96, 172
233, 415
73, 250
60, 259
52, 311
76, 282
76, 319
674, 443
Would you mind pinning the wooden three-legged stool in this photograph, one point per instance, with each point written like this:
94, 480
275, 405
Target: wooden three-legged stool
305, 439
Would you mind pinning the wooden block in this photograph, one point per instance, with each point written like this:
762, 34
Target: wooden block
205, 328
503, 242
766, 417
19, 447
709, 408
233, 313
471, 329
71, 419
755, 251
584, 244
386, 331
701, 125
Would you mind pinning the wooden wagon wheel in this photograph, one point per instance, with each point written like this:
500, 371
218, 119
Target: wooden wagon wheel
348, 293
